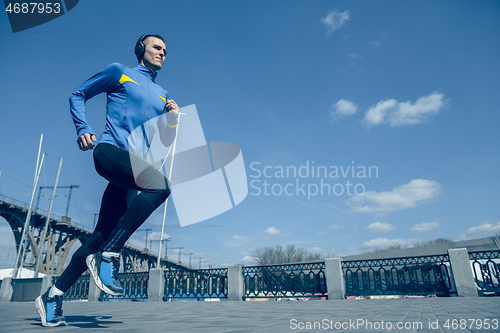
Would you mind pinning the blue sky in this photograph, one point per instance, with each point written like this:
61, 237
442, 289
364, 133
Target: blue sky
408, 88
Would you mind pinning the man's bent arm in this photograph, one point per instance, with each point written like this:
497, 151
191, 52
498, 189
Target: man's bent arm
103, 81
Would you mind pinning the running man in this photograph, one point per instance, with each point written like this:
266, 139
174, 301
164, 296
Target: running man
133, 98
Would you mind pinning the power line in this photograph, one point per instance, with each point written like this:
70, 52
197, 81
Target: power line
71, 187
147, 232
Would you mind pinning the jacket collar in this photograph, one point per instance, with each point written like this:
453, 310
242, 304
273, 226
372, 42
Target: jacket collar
147, 71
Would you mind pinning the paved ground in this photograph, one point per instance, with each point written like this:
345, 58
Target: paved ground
429, 315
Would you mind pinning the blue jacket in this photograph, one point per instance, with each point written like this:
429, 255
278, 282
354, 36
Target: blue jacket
133, 98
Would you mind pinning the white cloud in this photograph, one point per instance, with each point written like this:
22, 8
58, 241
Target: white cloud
424, 227
343, 108
156, 236
379, 228
248, 259
376, 114
486, 229
402, 197
138, 240
335, 20
236, 241
385, 242
272, 231
316, 249
405, 113
241, 239
322, 233
409, 114
276, 232
335, 226
135, 242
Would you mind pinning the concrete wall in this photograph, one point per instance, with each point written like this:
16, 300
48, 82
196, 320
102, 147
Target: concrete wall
334, 278
462, 273
23, 290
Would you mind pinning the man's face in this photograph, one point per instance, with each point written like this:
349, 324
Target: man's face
155, 53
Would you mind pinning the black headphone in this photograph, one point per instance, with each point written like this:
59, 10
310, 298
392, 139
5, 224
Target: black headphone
140, 48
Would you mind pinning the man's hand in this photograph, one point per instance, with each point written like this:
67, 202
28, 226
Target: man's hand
86, 141
172, 108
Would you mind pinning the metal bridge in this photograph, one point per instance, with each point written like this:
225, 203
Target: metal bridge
61, 236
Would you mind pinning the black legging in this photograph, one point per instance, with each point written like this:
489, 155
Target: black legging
125, 171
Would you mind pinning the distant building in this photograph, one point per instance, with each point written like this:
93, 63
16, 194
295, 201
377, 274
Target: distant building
480, 244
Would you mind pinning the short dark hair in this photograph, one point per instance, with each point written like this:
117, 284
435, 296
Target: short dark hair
140, 47
156, 36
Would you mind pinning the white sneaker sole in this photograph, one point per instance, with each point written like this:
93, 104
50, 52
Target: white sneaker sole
92, 265
43, 314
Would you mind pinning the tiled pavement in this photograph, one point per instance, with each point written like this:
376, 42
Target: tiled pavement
417, 315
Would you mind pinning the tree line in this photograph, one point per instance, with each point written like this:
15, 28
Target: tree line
279, 255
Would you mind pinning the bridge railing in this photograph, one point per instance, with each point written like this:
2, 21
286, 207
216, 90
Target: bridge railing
486, 270
24, 206
422, 275
80, 226
285, 281
79, 290
195, 284
135, 287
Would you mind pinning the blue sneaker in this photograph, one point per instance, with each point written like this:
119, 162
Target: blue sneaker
50, 310
105, 273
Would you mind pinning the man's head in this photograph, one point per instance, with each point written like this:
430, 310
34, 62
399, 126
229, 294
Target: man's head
150, 51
